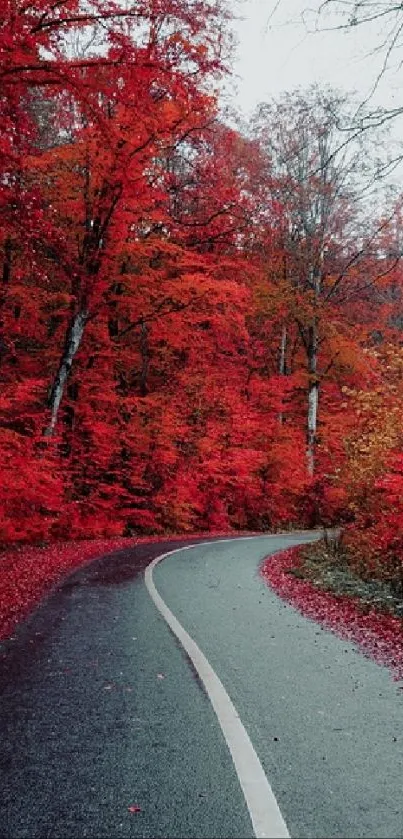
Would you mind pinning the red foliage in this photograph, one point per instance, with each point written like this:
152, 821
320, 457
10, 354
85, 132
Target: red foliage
156, 317
379, 636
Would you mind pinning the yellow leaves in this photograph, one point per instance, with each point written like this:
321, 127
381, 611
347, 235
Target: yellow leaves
376, 433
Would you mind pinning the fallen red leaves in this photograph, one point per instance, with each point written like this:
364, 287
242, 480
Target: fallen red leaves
380, 636
27, 573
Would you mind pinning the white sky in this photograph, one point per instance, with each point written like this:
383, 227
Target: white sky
277, 52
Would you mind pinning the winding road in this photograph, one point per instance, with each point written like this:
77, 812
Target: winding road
236, 718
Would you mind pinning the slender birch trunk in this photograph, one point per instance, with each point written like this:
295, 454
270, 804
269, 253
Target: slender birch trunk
73, 340
313, 395
282, 366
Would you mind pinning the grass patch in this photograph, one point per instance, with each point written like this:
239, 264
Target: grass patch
325, 564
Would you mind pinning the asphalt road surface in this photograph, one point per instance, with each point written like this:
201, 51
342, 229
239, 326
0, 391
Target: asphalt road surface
107, 729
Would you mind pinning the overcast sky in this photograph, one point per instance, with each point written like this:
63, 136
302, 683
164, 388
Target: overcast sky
277, 51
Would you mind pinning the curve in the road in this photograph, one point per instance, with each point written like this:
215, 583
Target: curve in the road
265, 814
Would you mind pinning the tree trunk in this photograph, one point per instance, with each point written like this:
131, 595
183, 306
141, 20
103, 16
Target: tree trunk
73, 340
282, 364
8, 249
313, 395
5, 282
145, 359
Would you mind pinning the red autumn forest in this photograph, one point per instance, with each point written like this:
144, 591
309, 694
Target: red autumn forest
200, 321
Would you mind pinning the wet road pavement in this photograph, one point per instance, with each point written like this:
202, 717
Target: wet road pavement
107, 731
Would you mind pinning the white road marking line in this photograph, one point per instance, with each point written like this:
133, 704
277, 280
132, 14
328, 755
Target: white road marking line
264, 811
